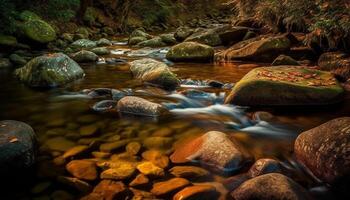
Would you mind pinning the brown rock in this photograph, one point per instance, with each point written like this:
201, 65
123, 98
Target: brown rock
123, 171
325, 150
133, 148
169, 187
150, 169
75, 151
265, 166
75, 183
202, 192
214, 149
82, 169
270, 187
108, 190
189, 172
139, 181
234, 182
157, 158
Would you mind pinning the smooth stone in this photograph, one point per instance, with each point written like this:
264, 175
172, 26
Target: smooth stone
84, 56
265, 166
270, 187
83, 44
169, 187
113, 146
139, 106
190, 172
207, 36
154, 42
75, 151
140, 194
17, 147
82, 169
286, 86
140, 181
190, 52
158, 142
123, 171
59, 144
157, 158
325, 150
98, 154
202, 192
150, 169
108, 190
105, 106
89, 130
182, 33
216, 150
133, 148
103, 42
100, 51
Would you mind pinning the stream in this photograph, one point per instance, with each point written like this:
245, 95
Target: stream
194, 109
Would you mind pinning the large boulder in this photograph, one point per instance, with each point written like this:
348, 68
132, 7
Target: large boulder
286, 85
207, 36
139, 106
216, 150
262, 48
50, 70
39, 31
154, 72
336, 62
17, 146
325, 150
271, 187
182, 33
84, 56
190, 52
230, 35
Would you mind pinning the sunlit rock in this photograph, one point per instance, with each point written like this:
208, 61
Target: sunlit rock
190, 52
216, 150
286, 85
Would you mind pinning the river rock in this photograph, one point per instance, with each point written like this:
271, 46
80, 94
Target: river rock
190, 52
189, 172
50, 70
104, 106
202, 192
270, 187
336, 62
265, 166
83, 44
75, 183
215, 150
84, 56
139, 106
140, 180
7, 41
17, 146
75, 151
150, 169
325, 150
182, 33
263, 48
60, 144
230, 35
154, 72
169, 187
38, 31
157, 158
136, 40
82, 169
286, 85
108, 190
103, 42
154, 42
123, 171
168, 38
284, 60
100, 51
208, 37
140, 33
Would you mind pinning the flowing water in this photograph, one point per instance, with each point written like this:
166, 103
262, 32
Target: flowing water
194, 108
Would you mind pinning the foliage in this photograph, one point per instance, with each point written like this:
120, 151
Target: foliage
62, 9
328, 19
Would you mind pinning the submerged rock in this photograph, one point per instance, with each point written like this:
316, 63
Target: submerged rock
108, 190
325, 150
162, 189
214, 149
82, 169
270, 187
84, 56
154, 72
139, 106
17, 146
190, 52
263, 48
202, 192
50, 70
286, 85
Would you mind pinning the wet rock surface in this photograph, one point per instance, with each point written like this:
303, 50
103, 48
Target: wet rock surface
139, 106
190, 52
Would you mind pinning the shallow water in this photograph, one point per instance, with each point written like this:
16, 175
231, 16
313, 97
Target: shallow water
61, 112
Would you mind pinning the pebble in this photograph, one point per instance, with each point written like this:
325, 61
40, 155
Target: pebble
75, 151
189, 172
168, 187
82, 169
202, 192
123, 171
157, 158
140, 180
149, 169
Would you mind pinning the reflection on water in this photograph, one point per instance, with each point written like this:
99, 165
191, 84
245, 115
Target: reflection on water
62, 114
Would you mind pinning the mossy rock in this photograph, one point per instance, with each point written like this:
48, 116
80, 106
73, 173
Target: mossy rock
209, 37
263, 48
83, 44
136, 40
140, 33
154, 42
8, 41
49, 70
190, 52
39, 31
284, 86
28, 16
168, 38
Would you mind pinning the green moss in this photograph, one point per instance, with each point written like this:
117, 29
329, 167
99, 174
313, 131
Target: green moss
6, 40
28, 16
39, 31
